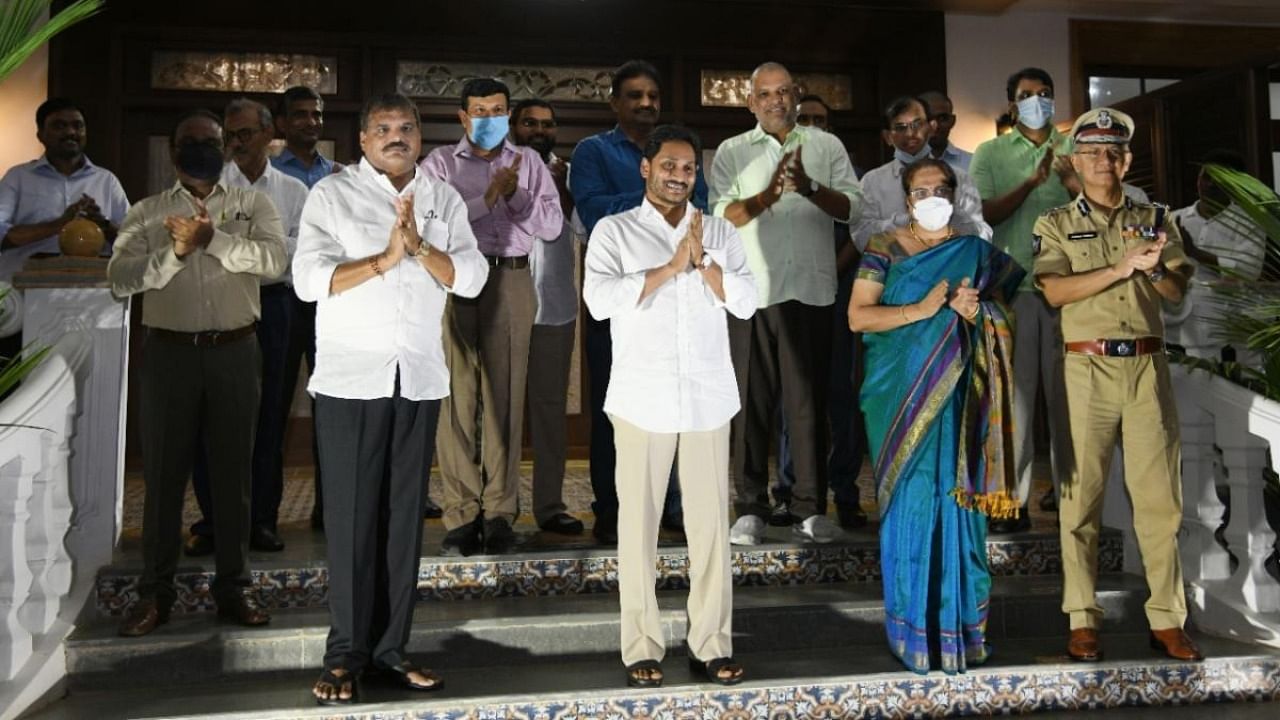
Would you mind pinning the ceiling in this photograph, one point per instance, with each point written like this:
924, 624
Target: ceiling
1242, 12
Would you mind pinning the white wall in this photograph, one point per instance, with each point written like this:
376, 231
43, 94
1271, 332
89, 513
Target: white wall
20, 94
983, 50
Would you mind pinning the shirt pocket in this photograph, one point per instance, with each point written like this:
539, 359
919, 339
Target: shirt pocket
1085, 255
435, 233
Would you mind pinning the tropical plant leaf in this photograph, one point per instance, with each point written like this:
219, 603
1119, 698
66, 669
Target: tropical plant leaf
19, 36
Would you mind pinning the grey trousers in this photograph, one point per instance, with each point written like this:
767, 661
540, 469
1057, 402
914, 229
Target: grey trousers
1037, 367
550, 351
185, 388
486, 343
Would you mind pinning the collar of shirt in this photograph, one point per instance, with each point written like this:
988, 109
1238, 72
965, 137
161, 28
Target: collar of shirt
1055, 139
373, 177
1086, 208
650, 215
795, 136
43, 165
464, 148
233, 175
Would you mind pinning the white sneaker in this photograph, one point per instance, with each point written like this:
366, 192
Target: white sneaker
817, 528
748, 530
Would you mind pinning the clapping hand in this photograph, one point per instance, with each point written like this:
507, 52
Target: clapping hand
934, 301
1142, 258
406, 226
504, 183
799, 178
190, 233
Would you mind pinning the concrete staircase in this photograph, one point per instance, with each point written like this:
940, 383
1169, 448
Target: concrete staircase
535, 635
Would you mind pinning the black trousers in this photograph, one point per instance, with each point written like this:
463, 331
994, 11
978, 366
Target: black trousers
302, 344
190, 393
782, 357
375, 454
267, 485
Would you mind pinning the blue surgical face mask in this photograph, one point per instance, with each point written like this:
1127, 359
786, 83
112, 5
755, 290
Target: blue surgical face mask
906, 159
1035, 112
487, 132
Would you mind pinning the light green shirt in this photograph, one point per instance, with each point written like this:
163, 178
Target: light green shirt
789, 247
1002, 164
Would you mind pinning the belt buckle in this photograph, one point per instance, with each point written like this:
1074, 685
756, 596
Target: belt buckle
1122, 348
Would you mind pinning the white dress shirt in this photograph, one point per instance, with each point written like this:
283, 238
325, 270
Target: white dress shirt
671, 366
885, 205
789, 247
35, 192
288, 194
1239, 244
366, 333
553, 263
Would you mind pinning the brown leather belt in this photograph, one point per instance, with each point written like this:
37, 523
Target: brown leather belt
519, 262
210, 338
1118, 348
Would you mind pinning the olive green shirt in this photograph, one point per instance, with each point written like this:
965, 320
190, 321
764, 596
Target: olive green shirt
1002, 164
1077, 238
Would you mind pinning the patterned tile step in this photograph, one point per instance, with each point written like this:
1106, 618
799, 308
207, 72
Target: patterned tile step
509, 631
595, 571
857, 681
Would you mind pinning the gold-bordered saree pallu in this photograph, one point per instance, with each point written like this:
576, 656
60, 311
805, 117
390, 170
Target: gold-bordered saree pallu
937, 398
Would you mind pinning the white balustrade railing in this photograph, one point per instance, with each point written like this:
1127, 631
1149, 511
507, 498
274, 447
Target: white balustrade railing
1226, 433
36, 428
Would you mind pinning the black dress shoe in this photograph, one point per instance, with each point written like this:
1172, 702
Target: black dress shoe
432, 511
463, 540
605, 530
498, 536
198, 546
265, 539
1022, 523
781, 515
243, 609
851, 516
562, 524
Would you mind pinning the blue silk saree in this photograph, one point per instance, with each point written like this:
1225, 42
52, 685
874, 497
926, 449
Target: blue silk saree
937, 398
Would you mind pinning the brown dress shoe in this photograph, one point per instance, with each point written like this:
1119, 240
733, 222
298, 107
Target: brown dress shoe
1175, 643
1082, 645
142, 618
244, 610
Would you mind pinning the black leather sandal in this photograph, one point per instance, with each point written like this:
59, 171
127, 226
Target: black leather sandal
635, 679
710, 670
401, 673
337, 682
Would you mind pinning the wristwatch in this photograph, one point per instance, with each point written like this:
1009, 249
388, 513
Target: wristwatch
1157, 273
813, 188
422, 249
705, 262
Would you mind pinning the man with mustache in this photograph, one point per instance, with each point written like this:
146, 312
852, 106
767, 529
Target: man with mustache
668, 278
606, 180
551, 342
380, 247
908, 130
512, 201
197, 253
38, 198
248, 131
784, 186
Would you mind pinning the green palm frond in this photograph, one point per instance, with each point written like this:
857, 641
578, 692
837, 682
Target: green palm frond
19, 36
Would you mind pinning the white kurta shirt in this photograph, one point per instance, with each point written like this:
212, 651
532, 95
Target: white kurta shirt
366, 333
671, 366
288, 194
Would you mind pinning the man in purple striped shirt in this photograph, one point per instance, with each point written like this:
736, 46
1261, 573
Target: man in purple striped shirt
511, 201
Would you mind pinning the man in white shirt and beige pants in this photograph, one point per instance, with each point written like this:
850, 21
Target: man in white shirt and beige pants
664, 275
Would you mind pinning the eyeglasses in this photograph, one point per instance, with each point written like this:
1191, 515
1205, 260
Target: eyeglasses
1112, 154
244, 135
1046, 93
531, 123
946, 192
904, 128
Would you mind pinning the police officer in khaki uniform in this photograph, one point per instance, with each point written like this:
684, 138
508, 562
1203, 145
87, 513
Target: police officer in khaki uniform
1107, 262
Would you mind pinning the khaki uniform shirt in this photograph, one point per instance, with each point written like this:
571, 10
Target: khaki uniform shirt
1077, 238
214, 287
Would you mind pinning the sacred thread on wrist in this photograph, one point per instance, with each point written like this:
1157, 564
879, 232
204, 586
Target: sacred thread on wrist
373, 263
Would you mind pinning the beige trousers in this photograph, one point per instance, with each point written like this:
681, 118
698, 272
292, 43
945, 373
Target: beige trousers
479, 438
644, 466
1109, 398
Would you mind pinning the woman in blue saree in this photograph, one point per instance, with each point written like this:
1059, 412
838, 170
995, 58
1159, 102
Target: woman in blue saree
937, 401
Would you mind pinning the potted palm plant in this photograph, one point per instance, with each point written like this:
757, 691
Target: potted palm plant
13, 369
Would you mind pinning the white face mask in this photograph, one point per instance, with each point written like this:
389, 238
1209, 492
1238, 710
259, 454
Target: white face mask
932, 213
1035, 112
